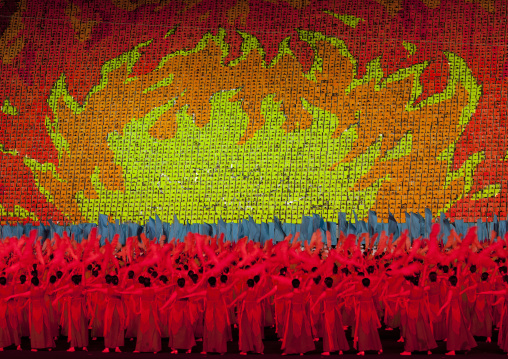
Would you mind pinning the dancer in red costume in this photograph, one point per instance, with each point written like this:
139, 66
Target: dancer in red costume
366, 336
334, 338
9, 327
115, 315
180, 319
418, 334
297, 331
21, 287
435, 294
216, 317
250, 317
502, 340
75, 314
459, 336
40, 328
481, 316
148, 335
316, 312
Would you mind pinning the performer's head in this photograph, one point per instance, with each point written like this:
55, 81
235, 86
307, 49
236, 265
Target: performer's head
256, 278
141, 279
22, 278
335, 269
163, 279
181, 282
485, 276
154, 274
194, 278
345, 271
370, 269
114, 280
108, 279
433, 277
130, 274
250, 283
446, 269
472, 269
3, 281
223, 279
212, 281
317, 279
59, 274
283, 271
453, 280
296, 283
76, 279
35, 281
328, 282
52, 279
147, 282
502, 269
366, 282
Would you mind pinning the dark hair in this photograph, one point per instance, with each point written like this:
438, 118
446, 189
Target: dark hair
317, 279
163, 279
76, 279
150, 270
35, 281
366, 282
345, 270
35, 273
114, 280
95, 273
433, 276
181, 282
52, 279
108, 278
22, 278
370, 269
446, 269
194, 278
502, 269
147, 282
257, 278
296, 283
59, 274
212, 281
328, 282
505, 278
3, 280
335, 269
453, 280
313, 269
250, 283
472, 268
141, 279
130, 274
89, 267
485, 276
223, 278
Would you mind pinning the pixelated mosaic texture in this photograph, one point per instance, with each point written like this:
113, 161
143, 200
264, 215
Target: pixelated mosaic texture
209, 109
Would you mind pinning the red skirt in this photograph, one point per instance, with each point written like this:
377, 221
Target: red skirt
181, 331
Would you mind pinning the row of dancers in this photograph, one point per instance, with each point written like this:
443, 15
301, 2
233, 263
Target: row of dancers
202, 288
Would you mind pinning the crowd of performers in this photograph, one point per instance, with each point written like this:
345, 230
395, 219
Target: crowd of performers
203, 288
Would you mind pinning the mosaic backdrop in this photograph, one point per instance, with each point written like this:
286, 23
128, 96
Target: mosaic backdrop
213, 109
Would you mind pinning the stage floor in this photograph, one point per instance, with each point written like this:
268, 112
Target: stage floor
391, 349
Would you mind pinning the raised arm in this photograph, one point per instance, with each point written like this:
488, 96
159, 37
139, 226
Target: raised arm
269, 294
